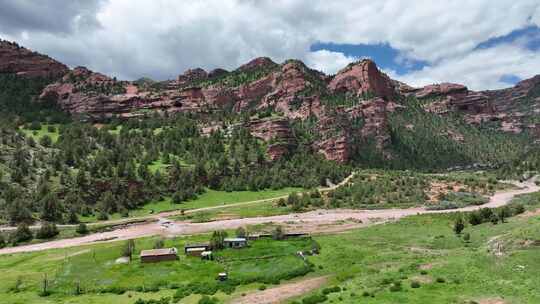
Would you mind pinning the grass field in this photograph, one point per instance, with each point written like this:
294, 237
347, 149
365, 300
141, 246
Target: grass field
37, 134
102, 280
259, 209
368, 262
210, 198
377, 264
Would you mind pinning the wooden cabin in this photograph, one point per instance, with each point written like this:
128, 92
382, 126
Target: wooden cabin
159, 255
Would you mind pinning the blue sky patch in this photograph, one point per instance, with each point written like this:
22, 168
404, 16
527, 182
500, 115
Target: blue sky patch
529, 36
383, 54
510, 79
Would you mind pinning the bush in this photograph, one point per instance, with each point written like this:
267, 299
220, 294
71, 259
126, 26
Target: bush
330, 290
415, 284
159, 243
2, 241
45, 141
102, 216
396, 287
278, 233
440, 280
459, 225
519, 209
241, 232
47, 231
475, 218
152, 301
82, 229
22, 234
314, 299
262, 287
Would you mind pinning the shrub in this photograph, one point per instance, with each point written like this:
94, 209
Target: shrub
159, 243
278, 233
262, 287
519, 209
2, 241
314, 299
330, 290
47, 231
45, 141
475, 218
396, 287
82, 229
423, 272
35, 126
241, 232
368, 294
440, 280
459, 226
415, 284
102, 216
22, 234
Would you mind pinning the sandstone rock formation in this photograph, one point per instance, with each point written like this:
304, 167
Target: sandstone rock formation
291, 90
363, 78
23, 62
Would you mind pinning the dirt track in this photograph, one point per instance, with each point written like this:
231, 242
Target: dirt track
282, 292
158, 216
314, 221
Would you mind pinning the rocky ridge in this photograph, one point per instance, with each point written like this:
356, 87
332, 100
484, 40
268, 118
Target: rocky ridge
352, 105
18, 60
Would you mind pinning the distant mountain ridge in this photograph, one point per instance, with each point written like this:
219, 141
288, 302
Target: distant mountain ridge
352, 107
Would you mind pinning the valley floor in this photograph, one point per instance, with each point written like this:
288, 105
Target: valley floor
418, 259
314, 222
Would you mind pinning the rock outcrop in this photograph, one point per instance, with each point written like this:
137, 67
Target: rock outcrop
363, 78
18, 60
277, 131
352, 106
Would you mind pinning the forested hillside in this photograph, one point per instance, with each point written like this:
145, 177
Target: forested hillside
56, 170
81, 144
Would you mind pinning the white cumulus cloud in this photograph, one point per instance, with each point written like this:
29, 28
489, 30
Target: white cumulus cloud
162, 38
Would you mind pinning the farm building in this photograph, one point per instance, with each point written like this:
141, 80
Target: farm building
235, 242
158, 255
196, 249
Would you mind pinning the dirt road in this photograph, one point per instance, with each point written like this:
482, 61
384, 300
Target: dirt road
314, 221
161, 215
282, 292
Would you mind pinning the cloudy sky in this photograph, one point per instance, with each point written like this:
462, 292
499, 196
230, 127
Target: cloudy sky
485, 44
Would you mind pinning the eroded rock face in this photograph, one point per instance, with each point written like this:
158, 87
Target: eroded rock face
23, 62
277, 131
192, 75
288, 87
260, 62
453, 97
363, 78
335, 148
295, 92
443, 89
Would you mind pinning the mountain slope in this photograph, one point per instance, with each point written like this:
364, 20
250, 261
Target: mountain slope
350, 116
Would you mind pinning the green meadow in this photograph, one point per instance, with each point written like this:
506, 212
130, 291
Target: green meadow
418, 259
